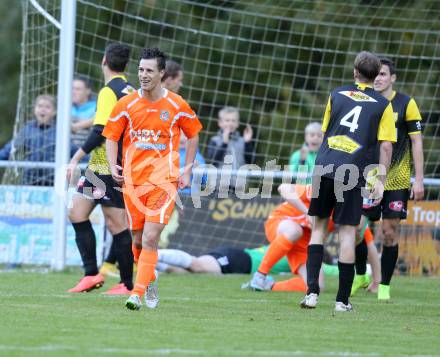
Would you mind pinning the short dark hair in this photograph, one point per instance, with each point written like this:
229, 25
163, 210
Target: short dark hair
387, 62
172, 69
117, 56
154, 53
368, 65
86, 80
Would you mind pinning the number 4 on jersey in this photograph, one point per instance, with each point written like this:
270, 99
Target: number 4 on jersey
353, 125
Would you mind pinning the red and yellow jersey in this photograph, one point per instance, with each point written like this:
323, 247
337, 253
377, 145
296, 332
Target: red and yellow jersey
151, 134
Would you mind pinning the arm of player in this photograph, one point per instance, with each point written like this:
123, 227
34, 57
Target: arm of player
94, 140
386, 151
386, 135
413, 119
291, 195
111, 148
417, 190
191, 150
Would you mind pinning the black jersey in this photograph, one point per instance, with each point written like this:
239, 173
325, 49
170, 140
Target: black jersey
108, 96
356, 118
407, 117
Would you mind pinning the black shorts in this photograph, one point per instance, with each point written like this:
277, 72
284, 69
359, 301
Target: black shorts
232, 260
105, 193
347, 212
393, 205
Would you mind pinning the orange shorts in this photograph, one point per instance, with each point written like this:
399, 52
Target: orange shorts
149, 203
298, 255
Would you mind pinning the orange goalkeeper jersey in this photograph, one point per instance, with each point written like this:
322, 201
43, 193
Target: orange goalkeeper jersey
151, 134
287, 211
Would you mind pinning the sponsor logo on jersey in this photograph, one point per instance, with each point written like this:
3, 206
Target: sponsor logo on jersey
357, 96
150, 146
164, 115
396, 206
151, 110
145, 135
343, 143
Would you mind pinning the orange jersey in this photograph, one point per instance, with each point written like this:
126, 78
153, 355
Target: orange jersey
286, 210
151, 134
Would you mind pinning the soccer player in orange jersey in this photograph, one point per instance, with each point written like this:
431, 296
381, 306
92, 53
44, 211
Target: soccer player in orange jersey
288, 230
150, 121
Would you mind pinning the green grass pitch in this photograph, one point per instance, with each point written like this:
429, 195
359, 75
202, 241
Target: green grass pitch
201, 315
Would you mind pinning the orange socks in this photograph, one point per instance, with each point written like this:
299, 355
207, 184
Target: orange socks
145, 271
278, 248
136, 253
294, 284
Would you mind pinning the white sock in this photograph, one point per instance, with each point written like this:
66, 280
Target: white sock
161, 266
175, 257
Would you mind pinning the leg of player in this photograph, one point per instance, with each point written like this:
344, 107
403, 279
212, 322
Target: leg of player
315, 256
117, 225
390, 252
86, 241
374, 260
361, 280
175, 257
347, 235
205, 264
287, 233
146, 264
298, 283
109, 266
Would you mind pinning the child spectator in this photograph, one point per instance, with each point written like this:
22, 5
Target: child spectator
302, 161
228, 140
36, 140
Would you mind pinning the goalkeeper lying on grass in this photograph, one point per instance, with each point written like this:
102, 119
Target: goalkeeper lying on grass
288, 230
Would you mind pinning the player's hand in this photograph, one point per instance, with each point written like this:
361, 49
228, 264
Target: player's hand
376, 193
248, 133
115, 170
417, 190
71, 167
184, 180
226, 135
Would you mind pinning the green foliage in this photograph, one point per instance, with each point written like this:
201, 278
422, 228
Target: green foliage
10, 38
206, 315
275, 60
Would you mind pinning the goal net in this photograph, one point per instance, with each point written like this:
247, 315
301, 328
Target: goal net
276, 61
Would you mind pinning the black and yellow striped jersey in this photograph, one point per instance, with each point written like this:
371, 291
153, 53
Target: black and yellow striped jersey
355, 120
108, 96
407, 118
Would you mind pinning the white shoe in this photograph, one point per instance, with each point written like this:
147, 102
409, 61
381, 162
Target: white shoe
341, 307
152, 293
310, 301
133, 302
261, 282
